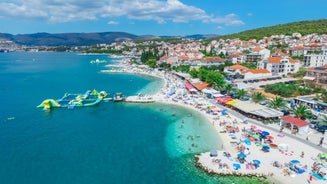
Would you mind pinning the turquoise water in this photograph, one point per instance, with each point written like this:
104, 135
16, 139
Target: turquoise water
109, 143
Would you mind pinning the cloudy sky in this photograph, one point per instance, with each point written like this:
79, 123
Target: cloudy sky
156, 17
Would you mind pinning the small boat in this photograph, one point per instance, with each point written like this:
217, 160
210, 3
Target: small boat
97, 61
118, 97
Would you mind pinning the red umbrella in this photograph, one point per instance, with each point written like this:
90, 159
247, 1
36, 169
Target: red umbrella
269, 137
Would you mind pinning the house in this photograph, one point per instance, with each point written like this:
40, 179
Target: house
316, 75
280, 65
210, 61
316, 59
257, 54
241, 72
234, 70
237, 57
256, 73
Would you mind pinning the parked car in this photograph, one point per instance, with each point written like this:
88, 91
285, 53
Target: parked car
321, 128
313, 123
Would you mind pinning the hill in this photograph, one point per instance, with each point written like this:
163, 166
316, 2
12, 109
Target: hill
67, 39
303, 27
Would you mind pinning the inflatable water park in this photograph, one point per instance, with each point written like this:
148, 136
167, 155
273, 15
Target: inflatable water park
70, 101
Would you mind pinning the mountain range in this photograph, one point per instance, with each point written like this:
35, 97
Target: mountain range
82, 39
85, 39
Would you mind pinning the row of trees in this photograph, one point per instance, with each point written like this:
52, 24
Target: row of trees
291, 90
303, 27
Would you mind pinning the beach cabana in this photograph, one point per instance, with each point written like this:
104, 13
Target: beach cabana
301, 125
257, 110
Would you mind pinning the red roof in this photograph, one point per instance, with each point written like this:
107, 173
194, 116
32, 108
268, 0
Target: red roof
188, 86
295, 121
200, 85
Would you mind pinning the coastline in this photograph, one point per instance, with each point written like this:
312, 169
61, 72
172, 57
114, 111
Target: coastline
266, 169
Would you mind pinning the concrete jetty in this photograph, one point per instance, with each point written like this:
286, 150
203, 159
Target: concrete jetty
140, 99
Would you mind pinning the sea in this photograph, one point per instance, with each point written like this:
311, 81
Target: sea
109, 143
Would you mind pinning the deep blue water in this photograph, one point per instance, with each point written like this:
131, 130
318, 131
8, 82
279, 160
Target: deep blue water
109, 143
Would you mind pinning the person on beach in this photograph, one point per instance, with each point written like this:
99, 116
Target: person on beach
302, 154
321, 141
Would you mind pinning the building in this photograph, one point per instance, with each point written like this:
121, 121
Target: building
257, 54
316, 59
241, 72
316, 75
280, 65
256, 74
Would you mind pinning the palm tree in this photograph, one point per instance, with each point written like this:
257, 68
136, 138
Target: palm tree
228, 88
240, 93
277, 103
257, 97
302, 112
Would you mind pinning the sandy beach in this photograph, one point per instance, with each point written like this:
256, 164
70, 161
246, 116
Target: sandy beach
234, 133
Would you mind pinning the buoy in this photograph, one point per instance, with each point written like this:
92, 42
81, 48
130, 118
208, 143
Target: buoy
10, 118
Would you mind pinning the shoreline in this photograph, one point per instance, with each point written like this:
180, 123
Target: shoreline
266, 169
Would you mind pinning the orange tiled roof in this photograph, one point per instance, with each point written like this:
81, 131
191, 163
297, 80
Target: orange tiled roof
237, 66
200, 85
238, 54
183, 57
257, 49
279, 59
212, 59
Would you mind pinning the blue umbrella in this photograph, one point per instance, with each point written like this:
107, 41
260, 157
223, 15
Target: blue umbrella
264, 133
294, 162
257, 162
241, 155
236, 166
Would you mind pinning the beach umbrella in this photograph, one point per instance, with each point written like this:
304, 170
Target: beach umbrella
265, 148
241, 155
264, 133
253, 126
257, 162
256, 136
294, 161
269, 137
236, 166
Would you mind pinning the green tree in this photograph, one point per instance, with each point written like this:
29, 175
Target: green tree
194, 73
277, 103
228, 88
241, 93
323, 120
212, 77
300, 73
151, 63
257, 97
302, 112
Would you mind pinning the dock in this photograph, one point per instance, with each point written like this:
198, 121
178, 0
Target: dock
139, 99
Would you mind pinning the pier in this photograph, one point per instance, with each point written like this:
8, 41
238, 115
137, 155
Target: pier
139, 99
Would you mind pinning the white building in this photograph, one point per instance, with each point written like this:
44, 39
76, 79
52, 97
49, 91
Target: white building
242, 72
316, 60
257, 54
280, 65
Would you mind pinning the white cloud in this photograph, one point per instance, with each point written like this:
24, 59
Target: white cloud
113, 22
71, 10
228, 20
220, 28
250, 14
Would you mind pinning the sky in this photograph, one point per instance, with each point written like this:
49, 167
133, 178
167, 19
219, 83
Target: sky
153, 17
